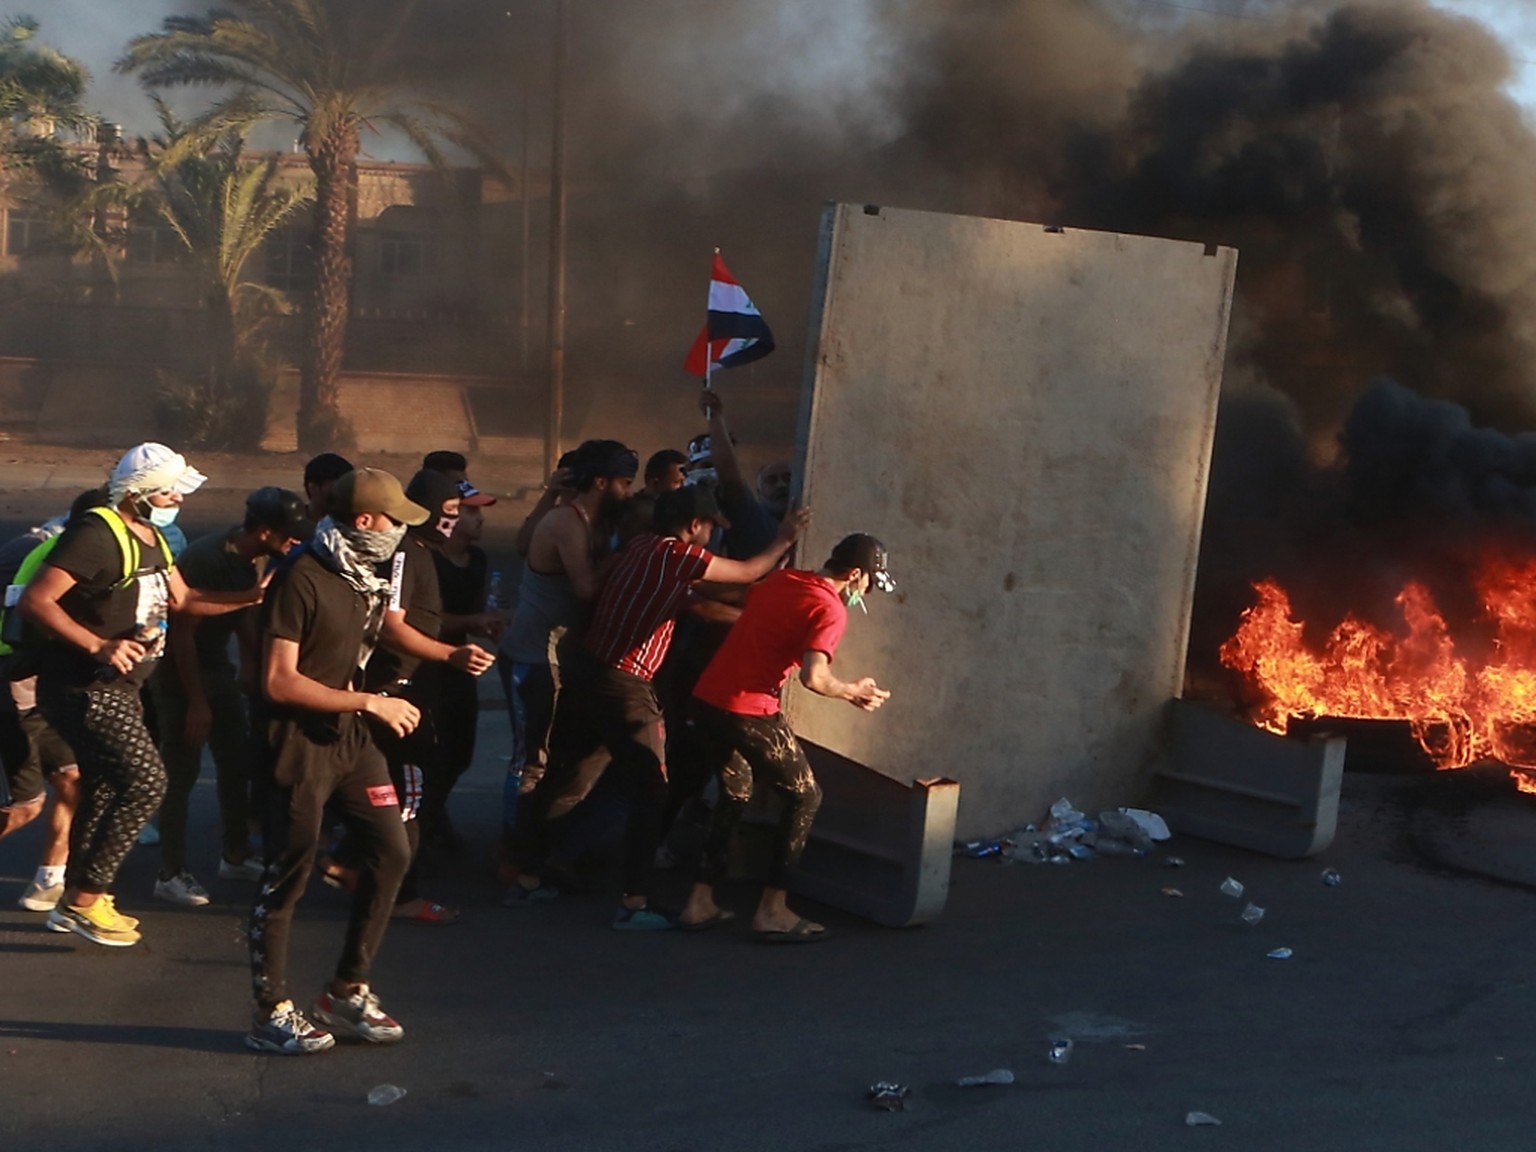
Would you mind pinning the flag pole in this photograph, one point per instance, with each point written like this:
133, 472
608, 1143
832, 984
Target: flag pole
709, 349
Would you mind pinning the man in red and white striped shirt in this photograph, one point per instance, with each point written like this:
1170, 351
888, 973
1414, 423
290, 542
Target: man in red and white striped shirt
607, 707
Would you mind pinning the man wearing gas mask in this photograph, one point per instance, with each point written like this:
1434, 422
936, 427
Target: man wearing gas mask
793, 620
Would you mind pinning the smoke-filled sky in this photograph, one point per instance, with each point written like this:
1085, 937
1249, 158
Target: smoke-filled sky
821, 38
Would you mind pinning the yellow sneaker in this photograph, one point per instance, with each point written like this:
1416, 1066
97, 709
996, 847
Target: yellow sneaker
101, 923
127, 920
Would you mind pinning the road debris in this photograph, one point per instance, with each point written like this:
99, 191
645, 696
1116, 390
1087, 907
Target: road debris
1332, 878
888, 1096
1252, 914
1280, 954
1232, 888
996, 1076
1173, 893
1061, 1051
386, 1094
1201, 1119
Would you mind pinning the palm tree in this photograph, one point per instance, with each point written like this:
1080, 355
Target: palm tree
40, 90
333, 74
222, 208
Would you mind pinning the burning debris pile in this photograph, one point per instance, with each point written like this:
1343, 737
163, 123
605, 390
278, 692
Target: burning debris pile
1420, 589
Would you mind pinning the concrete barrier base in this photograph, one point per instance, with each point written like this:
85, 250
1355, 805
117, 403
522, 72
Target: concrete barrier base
879, 848
1224, 780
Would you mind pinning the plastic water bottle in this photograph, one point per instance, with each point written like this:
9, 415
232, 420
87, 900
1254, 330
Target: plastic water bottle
496, 594
385, 1095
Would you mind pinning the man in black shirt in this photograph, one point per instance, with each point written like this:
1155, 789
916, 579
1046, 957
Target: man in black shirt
409, 646
462, 571
198, 693
321, 621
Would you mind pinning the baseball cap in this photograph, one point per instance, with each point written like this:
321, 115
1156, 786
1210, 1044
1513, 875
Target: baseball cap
374, 490
865, 553
280, 510
472, 497
153, 467
700, 449
682, 505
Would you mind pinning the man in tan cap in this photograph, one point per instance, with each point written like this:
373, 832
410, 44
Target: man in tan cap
321, 621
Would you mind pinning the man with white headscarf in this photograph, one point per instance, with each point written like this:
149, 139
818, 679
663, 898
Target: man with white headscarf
103, 598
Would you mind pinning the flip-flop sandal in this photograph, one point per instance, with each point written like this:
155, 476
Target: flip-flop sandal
432, 913
802, 933
721, 916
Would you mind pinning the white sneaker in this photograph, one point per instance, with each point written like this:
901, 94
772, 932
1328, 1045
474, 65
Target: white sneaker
39, 899
182, 889
251, 868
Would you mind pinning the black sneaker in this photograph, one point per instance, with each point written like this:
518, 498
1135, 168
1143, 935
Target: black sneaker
288, 1033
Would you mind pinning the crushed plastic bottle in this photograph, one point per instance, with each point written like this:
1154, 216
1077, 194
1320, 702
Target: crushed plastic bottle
1230, 887
996, 1076
1173, 862
1252, 914
1332, 878
1061, 1050
1199, 1119
1062, 812
1280, 954
385, 1095
977, 849
888, 1096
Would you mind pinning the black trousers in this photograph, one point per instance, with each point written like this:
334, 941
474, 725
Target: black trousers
739, 748
454, 697
307, 768
601, 714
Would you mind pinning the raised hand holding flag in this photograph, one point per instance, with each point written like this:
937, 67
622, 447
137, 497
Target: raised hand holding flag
734, 333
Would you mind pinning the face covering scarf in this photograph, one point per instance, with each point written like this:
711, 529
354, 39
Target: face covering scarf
352, 553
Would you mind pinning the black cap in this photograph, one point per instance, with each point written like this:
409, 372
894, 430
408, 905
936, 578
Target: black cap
684, 505
280, 510
326, 468
865, 553
432, 490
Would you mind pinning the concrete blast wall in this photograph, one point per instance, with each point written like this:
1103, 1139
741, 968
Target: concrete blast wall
1024, 416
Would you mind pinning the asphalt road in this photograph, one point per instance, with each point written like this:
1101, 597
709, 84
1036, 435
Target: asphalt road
1401, 1022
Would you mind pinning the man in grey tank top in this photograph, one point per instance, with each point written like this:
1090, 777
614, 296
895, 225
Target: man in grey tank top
559, 582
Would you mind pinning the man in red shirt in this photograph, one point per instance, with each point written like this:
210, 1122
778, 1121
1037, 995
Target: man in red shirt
793, 619
607, 705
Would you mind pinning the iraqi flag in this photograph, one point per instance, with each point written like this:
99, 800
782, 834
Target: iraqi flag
735, 332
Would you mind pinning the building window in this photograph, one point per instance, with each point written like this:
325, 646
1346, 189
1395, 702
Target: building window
24, 231
401, 254
290, 263
152, 242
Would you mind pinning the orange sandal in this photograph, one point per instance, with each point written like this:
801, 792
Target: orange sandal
426, 912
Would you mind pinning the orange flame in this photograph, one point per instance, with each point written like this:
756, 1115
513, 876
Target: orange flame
1460, 710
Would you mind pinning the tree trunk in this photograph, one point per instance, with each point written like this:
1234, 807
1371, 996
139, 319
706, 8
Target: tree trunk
321, 425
